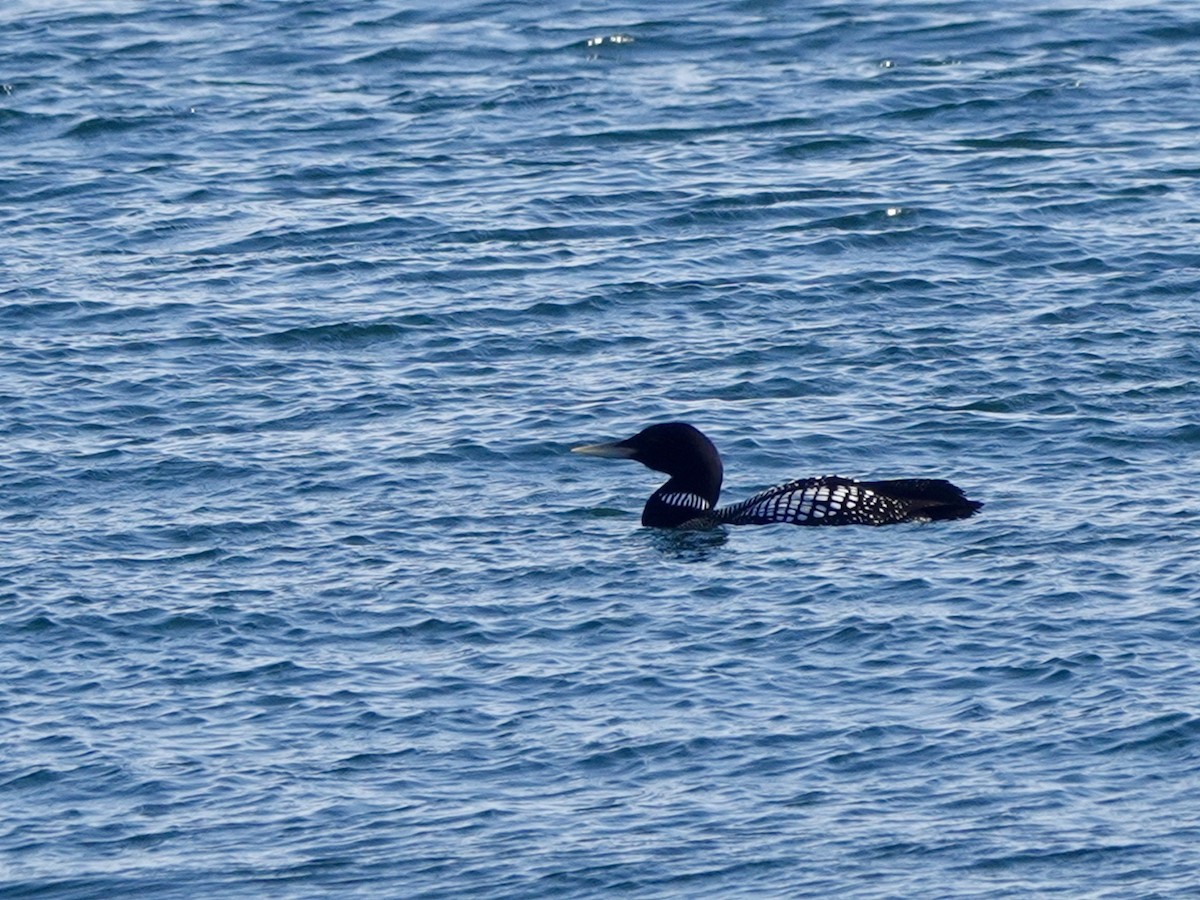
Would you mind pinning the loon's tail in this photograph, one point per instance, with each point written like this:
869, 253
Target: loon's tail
927, 498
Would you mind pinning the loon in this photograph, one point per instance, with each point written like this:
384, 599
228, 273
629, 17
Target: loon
689, 498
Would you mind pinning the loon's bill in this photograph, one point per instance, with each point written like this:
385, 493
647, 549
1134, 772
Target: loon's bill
689, 498
615, 450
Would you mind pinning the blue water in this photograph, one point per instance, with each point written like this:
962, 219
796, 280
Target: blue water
303, 304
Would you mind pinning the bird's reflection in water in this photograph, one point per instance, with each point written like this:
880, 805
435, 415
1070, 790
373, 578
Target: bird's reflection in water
689, 545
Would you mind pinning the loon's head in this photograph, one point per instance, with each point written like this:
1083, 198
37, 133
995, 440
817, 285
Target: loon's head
678, 449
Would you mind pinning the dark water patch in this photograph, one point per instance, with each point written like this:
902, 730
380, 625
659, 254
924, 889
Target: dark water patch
48, 310
832, 145
535, 234
340, 335
165, 471
1039, 858
1186, 435
1180, 32
31, 780
1168, 733
104, 126
1020, 140
658, 134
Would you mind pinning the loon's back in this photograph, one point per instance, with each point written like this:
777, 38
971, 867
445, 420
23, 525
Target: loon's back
832, 500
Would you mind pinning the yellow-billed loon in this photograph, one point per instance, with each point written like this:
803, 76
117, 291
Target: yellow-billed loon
689, 498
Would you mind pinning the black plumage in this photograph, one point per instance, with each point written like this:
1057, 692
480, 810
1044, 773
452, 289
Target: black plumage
689, 498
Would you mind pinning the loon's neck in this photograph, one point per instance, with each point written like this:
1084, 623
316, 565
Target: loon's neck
680, 500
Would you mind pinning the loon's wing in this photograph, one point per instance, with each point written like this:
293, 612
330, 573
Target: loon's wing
832, 500
828, 500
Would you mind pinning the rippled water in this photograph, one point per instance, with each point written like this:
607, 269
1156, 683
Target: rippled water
302, 305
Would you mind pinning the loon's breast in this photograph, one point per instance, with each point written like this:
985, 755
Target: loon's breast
670, 508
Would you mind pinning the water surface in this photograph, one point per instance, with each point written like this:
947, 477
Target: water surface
302, 306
